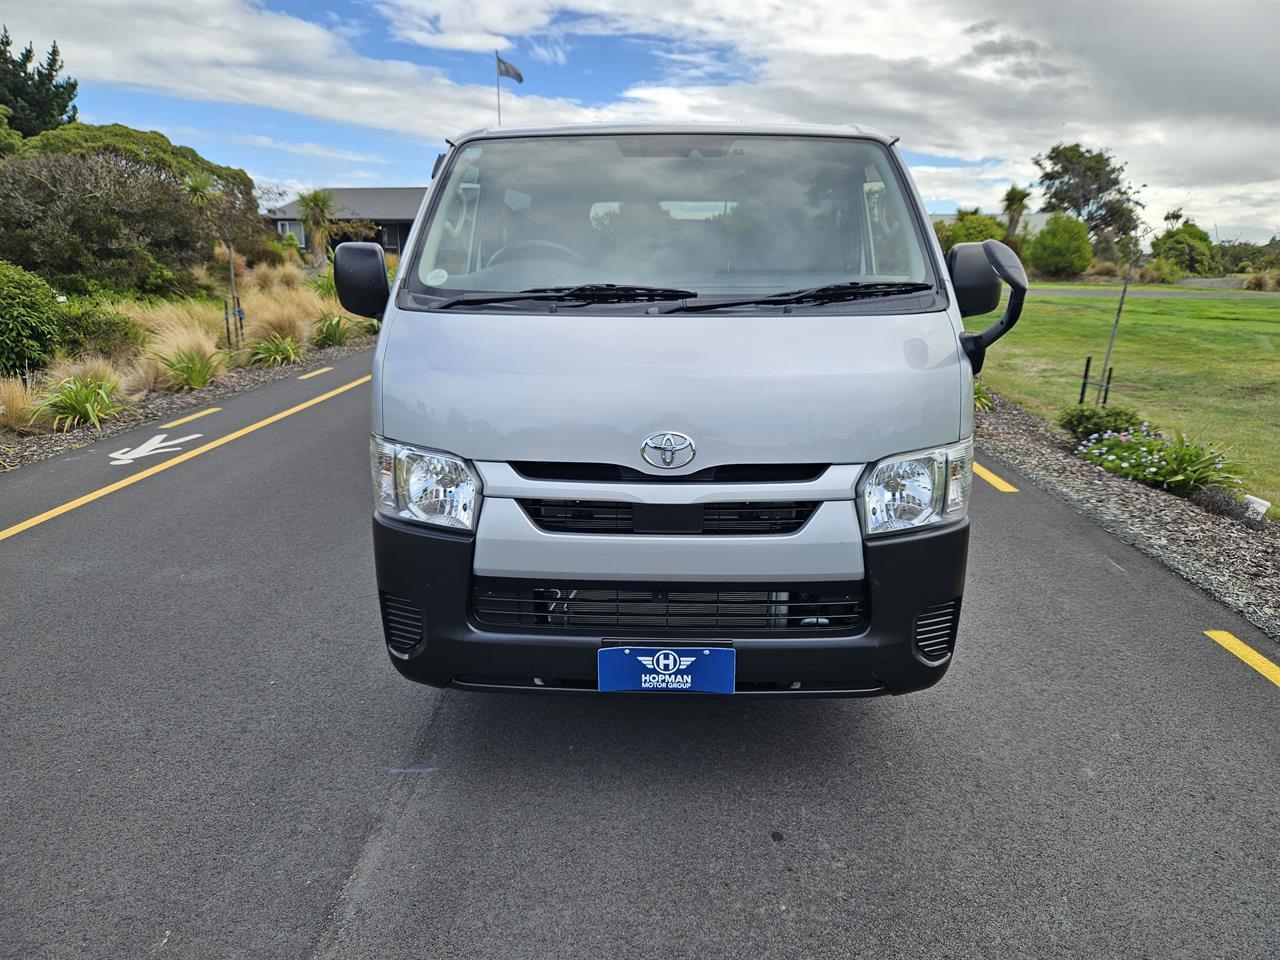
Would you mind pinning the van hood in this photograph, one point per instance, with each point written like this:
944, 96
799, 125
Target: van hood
747, 389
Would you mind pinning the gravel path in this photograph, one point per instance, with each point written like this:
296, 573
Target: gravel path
16, 451
1238, 565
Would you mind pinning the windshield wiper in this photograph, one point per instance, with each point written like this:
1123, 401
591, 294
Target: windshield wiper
830, 293
582, 293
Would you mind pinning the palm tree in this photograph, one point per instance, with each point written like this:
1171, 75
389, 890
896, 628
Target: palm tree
318, 210
1015, 205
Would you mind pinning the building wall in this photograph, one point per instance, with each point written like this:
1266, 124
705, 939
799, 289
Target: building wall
392, 234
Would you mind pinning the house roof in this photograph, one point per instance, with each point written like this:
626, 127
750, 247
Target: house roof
381, 204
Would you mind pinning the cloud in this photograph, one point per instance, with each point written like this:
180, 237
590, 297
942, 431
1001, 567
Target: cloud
464, 25
553, 51
305, 149
1187, 99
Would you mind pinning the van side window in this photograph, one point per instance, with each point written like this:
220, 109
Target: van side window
890, 230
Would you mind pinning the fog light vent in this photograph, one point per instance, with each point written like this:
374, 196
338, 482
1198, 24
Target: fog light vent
936, 630
402, 622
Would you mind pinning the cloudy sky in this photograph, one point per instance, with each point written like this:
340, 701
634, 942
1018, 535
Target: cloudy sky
363, 92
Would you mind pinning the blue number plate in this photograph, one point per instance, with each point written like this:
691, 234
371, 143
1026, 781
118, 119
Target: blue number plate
682, 669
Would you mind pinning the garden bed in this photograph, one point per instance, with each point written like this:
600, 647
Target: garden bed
15, 451
1237, 564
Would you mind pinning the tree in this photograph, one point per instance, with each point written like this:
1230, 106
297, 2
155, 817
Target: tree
98, 223
229, 204
10, 139
143, 146
317, 209
217, 209
1187, 246
970, 226
1172, 218
1089, 184
1236, 256
38, 99
1061, 249
1014, 206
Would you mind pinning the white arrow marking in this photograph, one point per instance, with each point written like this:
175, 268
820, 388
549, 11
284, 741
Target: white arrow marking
156, 444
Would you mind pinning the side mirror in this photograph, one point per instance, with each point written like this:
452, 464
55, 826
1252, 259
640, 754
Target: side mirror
360, 274
976, 272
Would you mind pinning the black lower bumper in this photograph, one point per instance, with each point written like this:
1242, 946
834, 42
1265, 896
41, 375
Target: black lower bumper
425, 579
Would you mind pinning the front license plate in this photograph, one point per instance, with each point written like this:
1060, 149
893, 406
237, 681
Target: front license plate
681, 669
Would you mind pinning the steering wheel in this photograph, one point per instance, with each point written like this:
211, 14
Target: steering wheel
533, 249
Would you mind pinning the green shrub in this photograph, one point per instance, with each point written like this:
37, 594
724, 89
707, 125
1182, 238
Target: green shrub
1262, 280
970, 226
1061, 248
1187, 246
80, 400
1160, 270
30, 320
192, 369
1244, 266
332, 331
369, 325
274, 351
1084, 420
983, 398
322, 283
89, 327
1178, 465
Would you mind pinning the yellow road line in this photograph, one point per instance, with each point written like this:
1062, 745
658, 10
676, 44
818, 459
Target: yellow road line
315, 373
195, 416
1246, 653
1004, 486
133, 478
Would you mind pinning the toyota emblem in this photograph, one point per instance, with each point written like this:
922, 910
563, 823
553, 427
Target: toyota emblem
668, 450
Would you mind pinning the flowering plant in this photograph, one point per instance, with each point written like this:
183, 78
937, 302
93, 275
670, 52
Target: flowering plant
1179, 465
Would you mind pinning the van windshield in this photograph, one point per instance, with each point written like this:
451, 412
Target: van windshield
719, 215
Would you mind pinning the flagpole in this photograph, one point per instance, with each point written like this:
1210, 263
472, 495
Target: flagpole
497, 85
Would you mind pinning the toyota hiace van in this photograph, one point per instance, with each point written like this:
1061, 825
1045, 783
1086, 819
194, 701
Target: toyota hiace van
674, 409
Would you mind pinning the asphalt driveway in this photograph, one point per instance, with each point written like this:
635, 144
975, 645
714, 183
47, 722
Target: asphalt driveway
206, 754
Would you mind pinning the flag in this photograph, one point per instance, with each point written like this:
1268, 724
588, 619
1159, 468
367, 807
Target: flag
508, 70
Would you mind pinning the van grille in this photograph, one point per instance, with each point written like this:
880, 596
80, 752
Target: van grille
836, 608
936, 630
606, 516
401, 621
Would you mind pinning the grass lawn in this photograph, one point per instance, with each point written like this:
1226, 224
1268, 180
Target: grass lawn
1172, 289
1207, 367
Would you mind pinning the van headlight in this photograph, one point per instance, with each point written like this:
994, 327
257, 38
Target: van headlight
426, 486
919, 489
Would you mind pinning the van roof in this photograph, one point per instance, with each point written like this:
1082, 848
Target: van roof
745, 129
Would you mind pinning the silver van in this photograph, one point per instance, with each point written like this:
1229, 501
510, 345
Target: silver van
674, 409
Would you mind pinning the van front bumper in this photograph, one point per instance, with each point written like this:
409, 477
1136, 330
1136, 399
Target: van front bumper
425, 584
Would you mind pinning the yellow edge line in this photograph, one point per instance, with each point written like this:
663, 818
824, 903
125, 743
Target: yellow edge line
1004, 486
315, 373
1246, 653
133, 478
195, 416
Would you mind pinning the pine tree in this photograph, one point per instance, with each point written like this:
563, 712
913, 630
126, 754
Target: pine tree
39, 100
